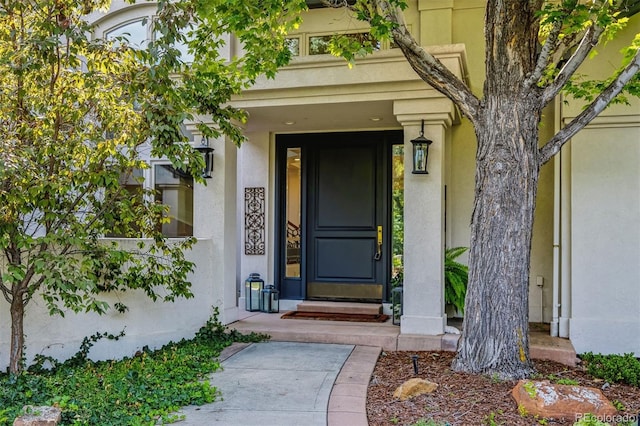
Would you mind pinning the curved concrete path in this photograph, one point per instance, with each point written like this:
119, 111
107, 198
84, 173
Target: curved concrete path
286, 383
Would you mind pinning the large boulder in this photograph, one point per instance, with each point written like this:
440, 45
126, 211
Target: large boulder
549, 400
414, 387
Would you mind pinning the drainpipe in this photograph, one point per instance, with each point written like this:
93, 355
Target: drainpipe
555, 306
565, 238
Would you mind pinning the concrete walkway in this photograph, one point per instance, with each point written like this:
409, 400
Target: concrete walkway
286, 383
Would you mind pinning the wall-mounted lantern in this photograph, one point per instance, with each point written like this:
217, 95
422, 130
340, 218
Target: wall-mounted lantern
207, 154
252, 289
420, 153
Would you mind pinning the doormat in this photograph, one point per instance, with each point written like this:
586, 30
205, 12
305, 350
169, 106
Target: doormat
327, 316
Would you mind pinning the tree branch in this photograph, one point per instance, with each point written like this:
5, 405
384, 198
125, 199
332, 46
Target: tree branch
588, 42
428, 67
549, 47
553, 146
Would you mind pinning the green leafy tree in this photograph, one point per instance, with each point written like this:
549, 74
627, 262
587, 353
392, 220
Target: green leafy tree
533, 50
75, 113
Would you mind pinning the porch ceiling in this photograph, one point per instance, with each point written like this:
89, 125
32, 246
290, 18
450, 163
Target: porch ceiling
322, 117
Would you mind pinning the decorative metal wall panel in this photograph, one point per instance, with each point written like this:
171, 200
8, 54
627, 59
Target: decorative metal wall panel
254, 232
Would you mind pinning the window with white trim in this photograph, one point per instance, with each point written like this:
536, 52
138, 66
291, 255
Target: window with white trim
174, 188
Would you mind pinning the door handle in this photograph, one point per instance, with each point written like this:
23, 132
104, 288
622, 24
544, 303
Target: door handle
378, 254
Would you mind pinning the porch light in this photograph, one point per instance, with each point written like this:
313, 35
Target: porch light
207, 154
252, 289
269, 299
420, 153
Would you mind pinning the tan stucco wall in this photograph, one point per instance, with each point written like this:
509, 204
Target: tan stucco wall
600, 244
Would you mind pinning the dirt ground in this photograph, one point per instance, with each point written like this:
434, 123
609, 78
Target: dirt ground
464, 399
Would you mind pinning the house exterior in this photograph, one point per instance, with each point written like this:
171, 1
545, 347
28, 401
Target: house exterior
308, 202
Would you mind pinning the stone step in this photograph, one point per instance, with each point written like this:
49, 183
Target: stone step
340, 307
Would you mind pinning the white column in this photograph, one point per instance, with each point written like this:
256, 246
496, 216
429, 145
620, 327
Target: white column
254, 171
424, 206
215, 223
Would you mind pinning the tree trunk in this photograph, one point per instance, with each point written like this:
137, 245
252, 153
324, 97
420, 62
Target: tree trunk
495, 337
17, 334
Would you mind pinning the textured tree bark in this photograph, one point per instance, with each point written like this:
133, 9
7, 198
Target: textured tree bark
495, 337
17, 334
495, 330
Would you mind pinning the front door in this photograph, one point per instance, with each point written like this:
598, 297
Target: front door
343, 235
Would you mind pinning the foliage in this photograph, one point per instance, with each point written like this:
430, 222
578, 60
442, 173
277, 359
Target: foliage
590, 420
456, 277
428, 422
613, 368
76, 113
397, 200
141, 390
490, 420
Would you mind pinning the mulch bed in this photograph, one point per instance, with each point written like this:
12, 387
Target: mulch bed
326, 316
465, 399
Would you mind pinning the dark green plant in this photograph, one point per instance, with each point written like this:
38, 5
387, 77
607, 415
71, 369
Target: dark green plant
456, 277
613, 368
146, 389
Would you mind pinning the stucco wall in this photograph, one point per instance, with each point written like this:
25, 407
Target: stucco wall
605, 239
146, 323
601, 240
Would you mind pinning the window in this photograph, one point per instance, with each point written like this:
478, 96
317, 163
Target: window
293, 44
319, 45
172, 187
132, 184
294, 212
175, 189
136, 34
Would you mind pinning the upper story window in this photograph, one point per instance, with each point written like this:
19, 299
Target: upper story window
138, 33
135, 33
319, 44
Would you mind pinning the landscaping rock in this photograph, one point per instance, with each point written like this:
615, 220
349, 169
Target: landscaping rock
39, 416
548, 400
414, 387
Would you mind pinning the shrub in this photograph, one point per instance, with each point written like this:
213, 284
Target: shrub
614, 368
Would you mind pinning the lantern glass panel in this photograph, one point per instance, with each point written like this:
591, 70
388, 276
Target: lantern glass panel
252, 288
269, 300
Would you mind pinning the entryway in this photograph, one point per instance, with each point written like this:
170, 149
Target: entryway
333, 206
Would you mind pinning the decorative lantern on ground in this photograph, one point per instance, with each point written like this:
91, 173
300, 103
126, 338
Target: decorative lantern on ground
252, 288
269, 300
396, 305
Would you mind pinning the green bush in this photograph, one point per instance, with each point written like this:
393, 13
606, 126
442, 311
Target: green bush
145, 389
613, 368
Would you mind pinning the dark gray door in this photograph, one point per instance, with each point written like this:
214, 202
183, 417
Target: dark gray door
346, 236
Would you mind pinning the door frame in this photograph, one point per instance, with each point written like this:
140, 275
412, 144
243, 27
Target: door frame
296, 287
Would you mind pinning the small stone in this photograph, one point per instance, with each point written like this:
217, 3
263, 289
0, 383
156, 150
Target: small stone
547, 400
39, 416
414, 387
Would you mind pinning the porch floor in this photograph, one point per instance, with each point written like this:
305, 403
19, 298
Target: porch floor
384, 335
